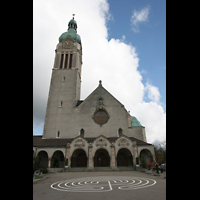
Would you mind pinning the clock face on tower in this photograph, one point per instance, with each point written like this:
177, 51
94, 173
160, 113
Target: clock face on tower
68, 44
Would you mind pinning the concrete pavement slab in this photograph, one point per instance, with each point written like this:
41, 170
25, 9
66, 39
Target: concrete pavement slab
100, 185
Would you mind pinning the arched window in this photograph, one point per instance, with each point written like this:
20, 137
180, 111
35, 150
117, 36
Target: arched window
100, 101
120, 131
82, 132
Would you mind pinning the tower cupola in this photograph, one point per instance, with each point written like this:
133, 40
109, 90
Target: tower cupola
72, 32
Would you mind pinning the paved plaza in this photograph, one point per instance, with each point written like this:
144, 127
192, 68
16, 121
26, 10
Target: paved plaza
100, 185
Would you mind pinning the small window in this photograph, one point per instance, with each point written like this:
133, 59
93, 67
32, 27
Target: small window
63, 79
82, 132
120, 131
58, 134
61, 104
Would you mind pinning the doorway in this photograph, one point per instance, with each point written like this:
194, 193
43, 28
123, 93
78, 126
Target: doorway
79, 158
124, 158
101, 158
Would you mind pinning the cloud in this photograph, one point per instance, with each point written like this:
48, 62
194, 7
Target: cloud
152, 116
143, 71
138, 17
152, 92
114, 62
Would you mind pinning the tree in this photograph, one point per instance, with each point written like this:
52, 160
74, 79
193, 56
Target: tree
160, 152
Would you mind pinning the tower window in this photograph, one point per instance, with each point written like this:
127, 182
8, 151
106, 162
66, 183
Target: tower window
82, 132
58, 134
61, 104
61, 61
66, 60
120, 131
70, 61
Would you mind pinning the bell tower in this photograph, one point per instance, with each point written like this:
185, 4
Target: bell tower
64, 91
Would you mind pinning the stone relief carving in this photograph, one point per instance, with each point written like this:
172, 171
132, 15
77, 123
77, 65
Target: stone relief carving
101, 142
123, 142
68, 44
79, 143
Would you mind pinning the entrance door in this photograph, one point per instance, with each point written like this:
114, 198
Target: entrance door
122, 159
81, 160
101, 160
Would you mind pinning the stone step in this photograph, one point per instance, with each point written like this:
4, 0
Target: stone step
85, 169
78, 169
52, 170
126, 168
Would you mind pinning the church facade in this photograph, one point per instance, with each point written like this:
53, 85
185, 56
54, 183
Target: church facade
87, 134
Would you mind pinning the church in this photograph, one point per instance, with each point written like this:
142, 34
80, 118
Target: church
97, 133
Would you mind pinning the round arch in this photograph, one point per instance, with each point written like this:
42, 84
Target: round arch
57, 160
41, 160
124, 148
72, 152
146, 155
101, 158
96, 149
79, 158
124, 157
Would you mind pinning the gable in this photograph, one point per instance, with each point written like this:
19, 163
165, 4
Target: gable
79, 141
101, 114
123, 139
100, 96
101, 141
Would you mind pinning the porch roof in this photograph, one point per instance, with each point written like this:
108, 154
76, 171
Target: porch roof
39, 142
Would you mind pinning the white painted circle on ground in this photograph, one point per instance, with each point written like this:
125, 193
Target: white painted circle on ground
103, 184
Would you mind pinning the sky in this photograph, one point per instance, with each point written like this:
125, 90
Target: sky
123, 44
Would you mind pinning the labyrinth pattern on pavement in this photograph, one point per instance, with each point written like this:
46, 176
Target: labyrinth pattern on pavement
103, 184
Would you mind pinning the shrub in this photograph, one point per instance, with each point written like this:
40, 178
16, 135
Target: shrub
149, 165
44, 170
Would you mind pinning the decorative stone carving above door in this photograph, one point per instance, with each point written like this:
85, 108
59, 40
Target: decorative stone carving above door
123, 142
79, 142
101, 142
